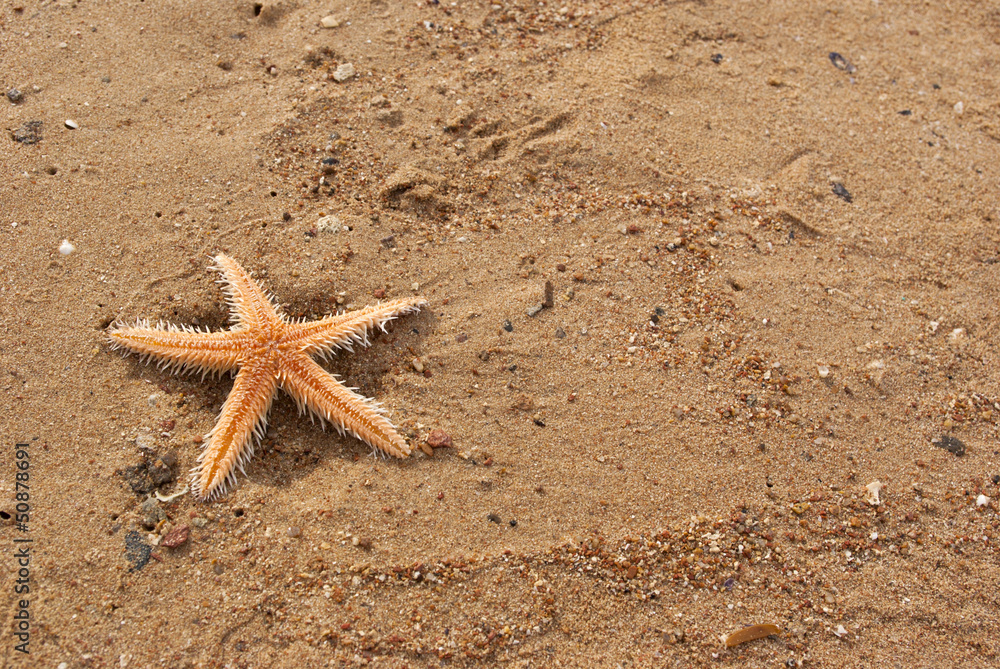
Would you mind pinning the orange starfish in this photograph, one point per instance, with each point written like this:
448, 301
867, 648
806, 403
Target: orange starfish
270, 351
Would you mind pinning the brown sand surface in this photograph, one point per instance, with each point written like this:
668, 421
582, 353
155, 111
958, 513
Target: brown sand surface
774, 276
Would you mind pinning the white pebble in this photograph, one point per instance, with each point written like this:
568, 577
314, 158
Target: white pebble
329, 22
982, 500
415, 287
71, 124
823, 371
841, 631
329, 224
343, 72
959, 107
66, 248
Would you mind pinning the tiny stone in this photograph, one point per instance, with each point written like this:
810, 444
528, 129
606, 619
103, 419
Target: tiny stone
959, 107
418, 366
294, 531
439, 439
199, 522
14, 96
823, 371
329, 224
950, 444
493, 518
547, 300
508, 326
415, 287
66, 248
982, 500
329, 22
560, 333
176, 537
343, 72
71, 124
560, 267
534, 310
461, 338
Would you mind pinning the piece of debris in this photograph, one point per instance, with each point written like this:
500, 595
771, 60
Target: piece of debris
751, 633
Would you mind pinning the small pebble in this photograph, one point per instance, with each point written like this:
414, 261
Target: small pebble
533, 310
294, 531
959, 107
982, 500
508, 326
560, 333
329, 22
717, 58
493, 518
439, 439
14, 96
418, 366
343, 72
950, 444
71, 124
823, 371
842, 193
66, 248
176, 537
329, 224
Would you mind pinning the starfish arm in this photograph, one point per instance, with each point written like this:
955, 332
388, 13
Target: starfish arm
180, 348
345, 330
250, 306
229, 446
313, 388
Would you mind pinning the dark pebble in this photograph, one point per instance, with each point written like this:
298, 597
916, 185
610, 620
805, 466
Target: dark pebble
29, 133
547, 300
660, 311
14, 96
539, 423
654, 318
730, 582
717, 58
508, 326
388, 242
905, 112
493, 518
330, 161
996, 479
842, 193
287, 216
950, 444
462, 338
137, 551
841, 63
513, 523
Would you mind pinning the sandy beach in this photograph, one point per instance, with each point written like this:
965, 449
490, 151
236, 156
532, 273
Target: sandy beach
710, 344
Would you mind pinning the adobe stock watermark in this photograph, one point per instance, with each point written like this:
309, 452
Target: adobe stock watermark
22, 547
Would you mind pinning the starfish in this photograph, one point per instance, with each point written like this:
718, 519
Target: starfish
270, 351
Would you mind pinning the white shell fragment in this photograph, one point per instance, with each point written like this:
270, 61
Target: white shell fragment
71, 124
982, 500
343, 72
66, 248
872, 495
